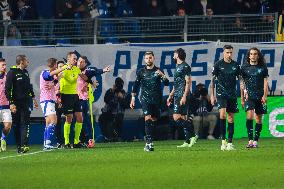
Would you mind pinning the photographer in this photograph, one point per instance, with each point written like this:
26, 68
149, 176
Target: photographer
202, 116
111, 119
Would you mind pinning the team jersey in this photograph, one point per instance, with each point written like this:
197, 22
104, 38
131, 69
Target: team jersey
181, 71
226, 74
4, 103
68, 80
253, 76
151, 85
82, 88
47, 87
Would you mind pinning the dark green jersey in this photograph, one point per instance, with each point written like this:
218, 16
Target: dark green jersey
151, 88
226, 74
253, 76
181, 71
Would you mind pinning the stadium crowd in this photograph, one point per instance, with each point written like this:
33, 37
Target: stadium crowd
70, 9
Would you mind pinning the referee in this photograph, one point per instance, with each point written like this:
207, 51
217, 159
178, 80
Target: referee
19, 92
70, 100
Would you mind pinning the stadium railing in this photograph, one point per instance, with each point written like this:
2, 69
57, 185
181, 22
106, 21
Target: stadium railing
229, 28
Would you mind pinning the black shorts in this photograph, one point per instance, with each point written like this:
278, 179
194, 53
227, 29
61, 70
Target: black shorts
180, 109
151, 109
231, 105
70, 103
256, 105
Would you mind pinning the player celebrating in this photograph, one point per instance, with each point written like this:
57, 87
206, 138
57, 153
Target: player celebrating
150, 78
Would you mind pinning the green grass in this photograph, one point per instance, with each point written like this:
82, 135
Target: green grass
126, 165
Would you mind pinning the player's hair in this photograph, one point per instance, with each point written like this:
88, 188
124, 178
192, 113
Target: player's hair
227, 47
60, 62
51, 62
181, 53
149, 53
260, 61
69, 54
20, 58
84, 58
2, 60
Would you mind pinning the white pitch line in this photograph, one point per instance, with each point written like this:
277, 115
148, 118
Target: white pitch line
27, 154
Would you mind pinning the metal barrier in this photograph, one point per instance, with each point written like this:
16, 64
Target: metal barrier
229, 28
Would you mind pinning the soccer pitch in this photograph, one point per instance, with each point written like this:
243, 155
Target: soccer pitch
126, 165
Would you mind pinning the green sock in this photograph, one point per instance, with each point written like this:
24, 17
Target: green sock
78, 128
66, 132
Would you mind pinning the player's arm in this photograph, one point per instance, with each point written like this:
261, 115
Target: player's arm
212, 90
163, 76
265, 90
33, 96
186, 90
135, 89
265, 85
59, 70
243, 91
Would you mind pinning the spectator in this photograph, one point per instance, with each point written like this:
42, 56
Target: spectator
14, 36
170, 6
202, 116
6, 12
237, 6
181, 11
199, 7
65, 9
155, 9
24, 11
45, 11
124, 9
111, 120
252, 6
88, 9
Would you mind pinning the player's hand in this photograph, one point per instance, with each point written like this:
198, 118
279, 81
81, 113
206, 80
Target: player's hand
213, 100
263, 100
132, 103
95, 84
107, 69
35, 103
159, 73
246, 95
182, 100
243, 102
169, 100
13, 108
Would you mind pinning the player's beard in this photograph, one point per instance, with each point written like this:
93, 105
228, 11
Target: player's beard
149, 64
175, 60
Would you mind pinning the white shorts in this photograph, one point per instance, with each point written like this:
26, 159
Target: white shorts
48, 108
5, 115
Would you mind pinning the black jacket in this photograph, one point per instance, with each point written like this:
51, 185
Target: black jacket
18, 85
